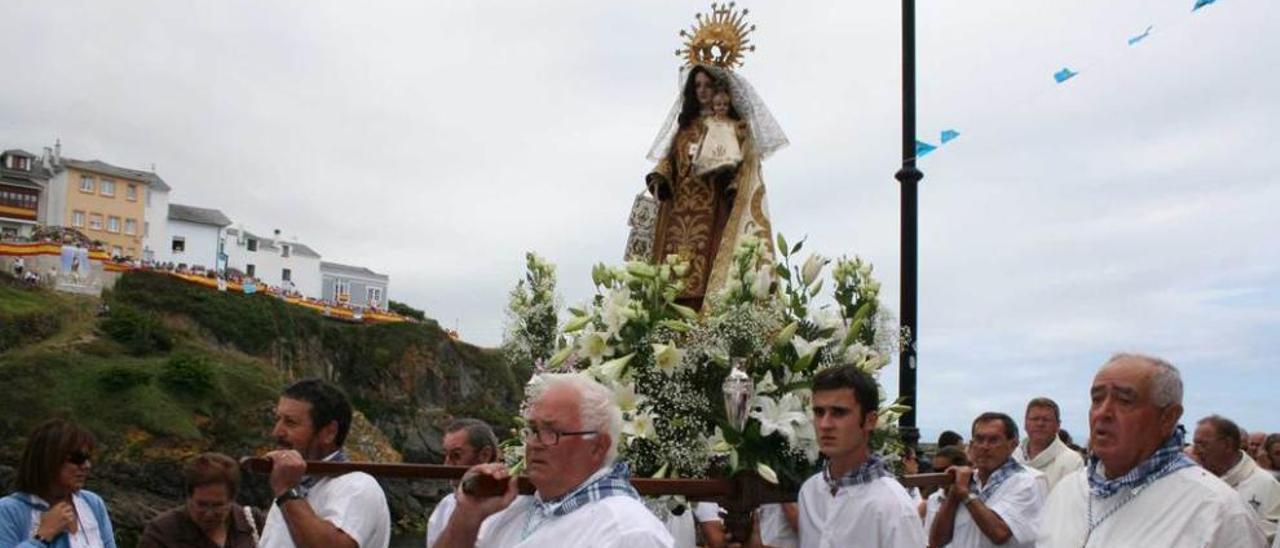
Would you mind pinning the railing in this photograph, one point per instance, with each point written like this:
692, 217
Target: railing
739, 496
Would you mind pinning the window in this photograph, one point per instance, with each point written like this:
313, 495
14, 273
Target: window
374, 297
116, 251
131, 252
250, 271
146, 229
341, 287
113, 224
77, 219
148, 197
131, 192
130, 227
253, 244
179, 244
86, 183
284, 251
286, 275
95, 221
107, 188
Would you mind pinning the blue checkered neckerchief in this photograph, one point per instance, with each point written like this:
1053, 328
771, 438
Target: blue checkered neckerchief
615, 483
873, 468
309, 482
1167, 459
1004, 472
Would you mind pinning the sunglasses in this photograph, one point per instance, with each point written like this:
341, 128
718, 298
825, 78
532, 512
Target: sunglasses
78, 457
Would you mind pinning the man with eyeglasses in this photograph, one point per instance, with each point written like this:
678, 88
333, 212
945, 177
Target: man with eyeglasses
1219, 448
583, 497
997, 502
1043, 449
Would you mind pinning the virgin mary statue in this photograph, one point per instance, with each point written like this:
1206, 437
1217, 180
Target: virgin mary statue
707, 180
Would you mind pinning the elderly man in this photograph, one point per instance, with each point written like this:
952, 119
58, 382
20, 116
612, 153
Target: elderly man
1218, 448
1256, 439
583, 497
1043, 449
347, 511
855, 500
1138, 488
467, 442
996, 503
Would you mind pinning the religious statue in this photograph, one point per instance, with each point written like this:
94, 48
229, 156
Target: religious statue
707, 180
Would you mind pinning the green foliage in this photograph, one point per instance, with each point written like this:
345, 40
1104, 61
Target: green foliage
141, 333
27, 315
406, 310
532, 315
119, 378
188, 375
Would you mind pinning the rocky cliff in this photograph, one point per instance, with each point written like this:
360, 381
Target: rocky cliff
167, 369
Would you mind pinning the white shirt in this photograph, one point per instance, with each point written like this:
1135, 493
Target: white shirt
1056, 461
440, 518
352, 502
1189, 508
1017, 501
611, 522
683, 528
878, 513
775, 530
1258, 489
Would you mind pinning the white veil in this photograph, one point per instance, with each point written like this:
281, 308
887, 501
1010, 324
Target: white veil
765, 131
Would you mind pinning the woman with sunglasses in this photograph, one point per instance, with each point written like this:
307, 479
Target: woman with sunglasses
51, 508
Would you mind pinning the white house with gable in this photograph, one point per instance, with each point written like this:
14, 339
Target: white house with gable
195, 237
274, 260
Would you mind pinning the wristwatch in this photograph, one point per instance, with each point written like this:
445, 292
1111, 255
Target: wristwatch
36, 537
972, 497
292, 494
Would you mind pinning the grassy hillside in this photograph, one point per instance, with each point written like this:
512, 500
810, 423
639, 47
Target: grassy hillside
173, 369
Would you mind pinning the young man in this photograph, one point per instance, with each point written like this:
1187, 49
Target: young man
1043, 449
467, 442
995, 503
855, 500
1138, 488
347, 511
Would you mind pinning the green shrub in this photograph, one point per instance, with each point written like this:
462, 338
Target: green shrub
406, 310
140, 332
119, 378
188, 375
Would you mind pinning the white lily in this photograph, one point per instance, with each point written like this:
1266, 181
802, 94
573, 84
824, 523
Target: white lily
614, 312
717, 443
807, 440
766, 385
667, 357
812, 268
611, 370
594, 346
780, 415
763, 281
804, 348
624, 394
640, 426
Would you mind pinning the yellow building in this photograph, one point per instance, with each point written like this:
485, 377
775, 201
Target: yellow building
105, 202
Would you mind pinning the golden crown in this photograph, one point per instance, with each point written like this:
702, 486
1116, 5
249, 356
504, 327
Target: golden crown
717, 39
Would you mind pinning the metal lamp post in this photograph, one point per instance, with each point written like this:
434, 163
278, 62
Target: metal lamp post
909, 177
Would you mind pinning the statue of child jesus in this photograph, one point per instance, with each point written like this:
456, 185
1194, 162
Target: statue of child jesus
721, 148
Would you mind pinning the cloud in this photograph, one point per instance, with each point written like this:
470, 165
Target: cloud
1132, 208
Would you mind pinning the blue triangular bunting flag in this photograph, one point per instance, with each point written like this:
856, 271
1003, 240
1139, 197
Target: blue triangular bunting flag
923, 149
1064, 75
948, 135
1202, 3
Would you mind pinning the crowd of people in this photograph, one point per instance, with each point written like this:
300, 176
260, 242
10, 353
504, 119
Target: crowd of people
1138, 484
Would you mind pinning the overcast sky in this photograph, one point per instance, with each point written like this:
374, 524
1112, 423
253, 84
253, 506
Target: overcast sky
1131, 208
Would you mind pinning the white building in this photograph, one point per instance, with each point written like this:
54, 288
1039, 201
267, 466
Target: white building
155, 227
195, 237
273, 260
354, 285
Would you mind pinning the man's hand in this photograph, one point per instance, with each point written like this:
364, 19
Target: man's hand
477, 508
287, 469
963, 474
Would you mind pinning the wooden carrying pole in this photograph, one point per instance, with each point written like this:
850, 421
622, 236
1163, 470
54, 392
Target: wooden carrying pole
739, 496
